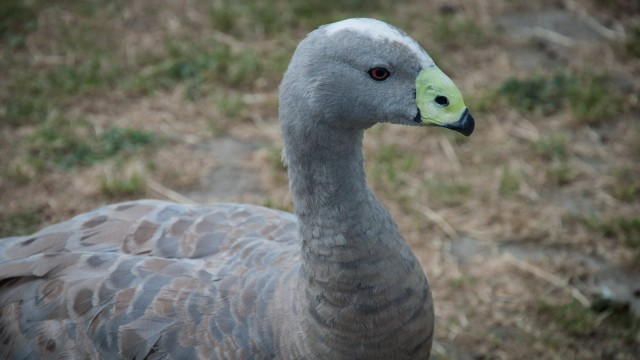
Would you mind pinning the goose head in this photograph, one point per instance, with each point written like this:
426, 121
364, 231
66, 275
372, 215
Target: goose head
355, 73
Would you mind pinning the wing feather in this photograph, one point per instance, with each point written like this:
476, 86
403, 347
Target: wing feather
142, 279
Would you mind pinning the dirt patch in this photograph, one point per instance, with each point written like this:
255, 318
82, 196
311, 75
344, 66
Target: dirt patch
233, 179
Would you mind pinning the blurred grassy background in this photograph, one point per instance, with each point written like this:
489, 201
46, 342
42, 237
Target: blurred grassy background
529, 230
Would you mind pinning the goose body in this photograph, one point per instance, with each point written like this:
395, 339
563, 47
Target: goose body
156, 280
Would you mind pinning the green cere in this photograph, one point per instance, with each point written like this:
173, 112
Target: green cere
438, 98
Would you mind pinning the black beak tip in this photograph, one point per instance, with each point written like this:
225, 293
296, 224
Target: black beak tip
465, 125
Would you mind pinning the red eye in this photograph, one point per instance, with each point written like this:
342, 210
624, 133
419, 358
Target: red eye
379, 73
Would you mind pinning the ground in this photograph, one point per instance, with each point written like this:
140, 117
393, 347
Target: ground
529, 230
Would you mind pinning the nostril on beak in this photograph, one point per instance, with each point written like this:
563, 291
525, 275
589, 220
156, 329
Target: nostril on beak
442, 100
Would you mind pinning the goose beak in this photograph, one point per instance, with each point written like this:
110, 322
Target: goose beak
464, 125
440, 102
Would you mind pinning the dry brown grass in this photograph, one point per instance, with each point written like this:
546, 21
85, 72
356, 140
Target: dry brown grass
513, 225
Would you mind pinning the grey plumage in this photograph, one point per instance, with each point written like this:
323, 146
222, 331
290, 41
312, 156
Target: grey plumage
157, 280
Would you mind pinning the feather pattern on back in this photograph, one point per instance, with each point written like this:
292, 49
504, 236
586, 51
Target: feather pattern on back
143, 280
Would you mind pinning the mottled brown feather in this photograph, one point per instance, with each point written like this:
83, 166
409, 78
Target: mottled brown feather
136, 279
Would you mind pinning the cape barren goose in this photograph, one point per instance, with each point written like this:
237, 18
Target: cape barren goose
335, 280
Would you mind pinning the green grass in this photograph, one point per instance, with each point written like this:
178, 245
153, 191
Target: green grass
619, 7
90, 65
23, 110
633, 42
589, 97
552, 147
36, 91
232, 106
260, 18
593, 101
34, 94
456, 30
278, 205
537, 94
16, 173
120, 186
560, 172
627, 192
81, 77
20, 223
17, 20
509, 181
626, 187
197, 66
624, 229
59, 142
390, 164
118, 140
78, 61
272, 17
572, 317
214, 128
625, 324
481, 101
68, 142
627, 229
463, 280
604, 319
449, 192
578, 321
224, 14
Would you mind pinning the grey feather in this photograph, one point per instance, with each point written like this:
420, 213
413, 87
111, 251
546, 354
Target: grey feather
157, 280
